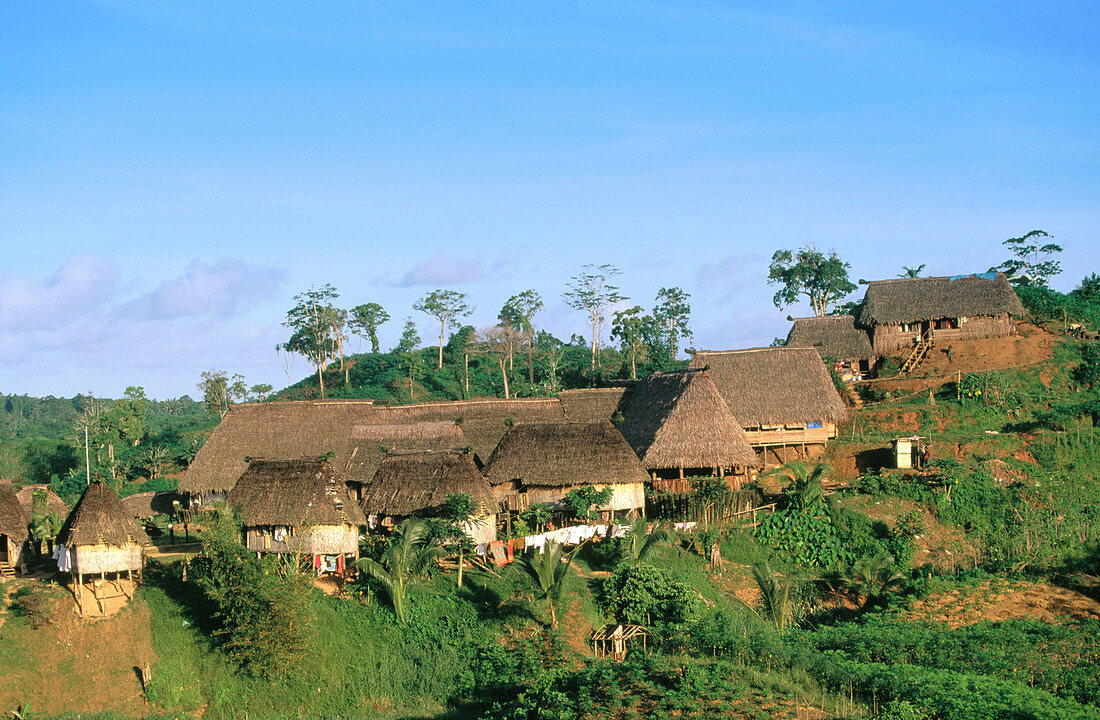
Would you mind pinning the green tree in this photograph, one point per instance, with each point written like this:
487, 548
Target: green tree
672, 314
629, 327
1033, 262
586, 500
822, 278
496, 343
646, 595
462, 513
804, 482
710, 491
592, 292
521, 310
641, 541
365, 321
408, 556
446, 306
776, 604
44, 525
548, 569
260, 392
311, 324
911, 272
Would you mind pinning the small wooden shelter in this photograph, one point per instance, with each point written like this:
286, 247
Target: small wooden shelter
417, 484
13, 532
102, 546
299, 507
541, 463
836, 337
901, 312
678, 424
611, 641
783, 397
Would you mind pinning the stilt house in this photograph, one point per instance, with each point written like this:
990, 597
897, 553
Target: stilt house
901, 312
13, 532
102, 546
541, 463
417, 484
679, 426
783, 397
835, 337
299, 507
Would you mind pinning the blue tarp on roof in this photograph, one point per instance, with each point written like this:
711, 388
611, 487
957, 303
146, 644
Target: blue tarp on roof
983, 276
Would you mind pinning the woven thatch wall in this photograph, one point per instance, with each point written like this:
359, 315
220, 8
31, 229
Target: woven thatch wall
100, 518
105, 558
593, 404
312, 429
903, 300
890, 338
368, 445
680, 420
54, 504
13, 522
773, 386
312, 540
293, 492
624, 496
418, 484
564, 455
834, 336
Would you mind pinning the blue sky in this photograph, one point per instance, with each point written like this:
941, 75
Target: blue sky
171, 174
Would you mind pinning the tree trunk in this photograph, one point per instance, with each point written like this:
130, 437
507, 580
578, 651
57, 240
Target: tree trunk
460, 564
504, 375
530, 362
442, 330
321, 380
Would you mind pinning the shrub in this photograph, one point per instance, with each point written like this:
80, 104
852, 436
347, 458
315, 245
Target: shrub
645, 595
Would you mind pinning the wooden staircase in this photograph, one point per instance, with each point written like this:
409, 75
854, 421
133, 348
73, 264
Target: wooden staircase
6, 570
920, 352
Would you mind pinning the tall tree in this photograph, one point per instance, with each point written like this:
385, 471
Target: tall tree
671, 314
495, 342
310, 323
338, 327
461, 513
1033, 263
592, 292
521, 309
408, 358
365, 321
446, 306
822, 278
629, 327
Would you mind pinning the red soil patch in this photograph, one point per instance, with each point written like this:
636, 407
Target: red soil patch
1004, 600
944, 547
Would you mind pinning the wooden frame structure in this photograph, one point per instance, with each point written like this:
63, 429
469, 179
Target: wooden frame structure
611, 640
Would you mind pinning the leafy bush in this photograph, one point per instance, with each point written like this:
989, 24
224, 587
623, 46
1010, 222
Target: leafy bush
806, 537
582, 501
1087, 372
645, 595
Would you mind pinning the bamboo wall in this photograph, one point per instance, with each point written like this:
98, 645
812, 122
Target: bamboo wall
106, 558
889, 339
312, 540
624, 496
686, 507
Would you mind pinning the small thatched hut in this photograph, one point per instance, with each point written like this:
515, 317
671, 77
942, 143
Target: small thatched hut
147, 505
54, 504
101, 537
678, 424
13, 532
899, 312
300, 507
783, 397
369, 445
541, 463
594, 404
417, 484
835, 337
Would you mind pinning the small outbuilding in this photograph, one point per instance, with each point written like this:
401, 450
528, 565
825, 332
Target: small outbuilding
541, 463
835, 337
417, 484
102, 547
54, 504
299, 507
679, 425
13, 532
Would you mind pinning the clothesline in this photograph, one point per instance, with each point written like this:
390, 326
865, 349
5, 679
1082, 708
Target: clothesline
573, 535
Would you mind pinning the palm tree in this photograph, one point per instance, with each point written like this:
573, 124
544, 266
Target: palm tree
804, 481
409, 554
776, 605
873, 578
640, 544
548, 570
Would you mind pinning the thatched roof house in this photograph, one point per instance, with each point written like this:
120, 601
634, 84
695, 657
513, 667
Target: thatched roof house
100, 535
593, 404
146, 505
898, 311
547, 460
13, 529
368, 445
418, 484
54, 504
297, 506
833, 336
313, 429
780, 396
678, 421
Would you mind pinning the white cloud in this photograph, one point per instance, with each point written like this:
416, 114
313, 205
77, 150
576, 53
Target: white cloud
222, 289
443, 268
77, 290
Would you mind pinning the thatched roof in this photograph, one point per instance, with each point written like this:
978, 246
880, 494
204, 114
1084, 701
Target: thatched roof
145, 505
100, 518
369, 444
293, 492
312, 429
679, 419
564, 454
54, 504
888, 302
834, 336
772, 386
418, 484
593, 404
13, 522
